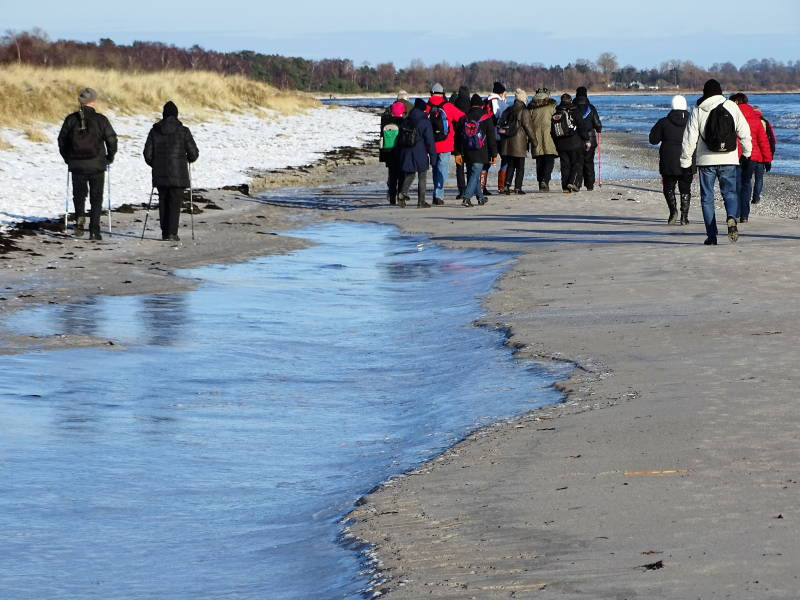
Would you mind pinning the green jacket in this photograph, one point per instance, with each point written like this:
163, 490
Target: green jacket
542, 112
517, 146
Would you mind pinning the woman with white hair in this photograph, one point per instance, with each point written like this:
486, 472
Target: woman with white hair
668, 132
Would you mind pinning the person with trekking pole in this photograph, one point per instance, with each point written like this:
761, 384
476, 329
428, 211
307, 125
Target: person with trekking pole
87, 143
169, 149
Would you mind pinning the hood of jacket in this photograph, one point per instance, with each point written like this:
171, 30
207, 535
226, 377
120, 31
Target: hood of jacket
711, 103
541, 103
678, 118
476, 113
168, 125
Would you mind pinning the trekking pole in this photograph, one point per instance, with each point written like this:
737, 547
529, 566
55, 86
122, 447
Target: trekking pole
108, 169
66, 202
599, 163
191, 205
149, 202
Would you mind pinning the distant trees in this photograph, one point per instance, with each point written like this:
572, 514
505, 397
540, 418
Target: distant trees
339, 75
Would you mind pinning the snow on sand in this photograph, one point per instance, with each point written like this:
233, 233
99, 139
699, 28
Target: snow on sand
33, 177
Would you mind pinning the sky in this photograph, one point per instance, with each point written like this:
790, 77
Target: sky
640, 32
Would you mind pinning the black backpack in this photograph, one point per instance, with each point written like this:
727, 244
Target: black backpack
407, 136
508, 124
720, 130
85, 139
439, 122
562, 125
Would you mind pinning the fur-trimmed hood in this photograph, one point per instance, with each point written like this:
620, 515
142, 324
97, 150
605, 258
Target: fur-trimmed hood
541, 103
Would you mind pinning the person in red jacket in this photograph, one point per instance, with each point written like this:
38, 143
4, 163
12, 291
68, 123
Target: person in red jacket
761, 154
444, 140
763, 167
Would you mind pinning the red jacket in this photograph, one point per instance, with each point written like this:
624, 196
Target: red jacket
761, 151
454, 115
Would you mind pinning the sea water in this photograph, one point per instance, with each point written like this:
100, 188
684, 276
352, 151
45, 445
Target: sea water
213, 450
637, 113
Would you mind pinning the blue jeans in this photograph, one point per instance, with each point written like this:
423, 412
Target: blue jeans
440, 173
727, 185
758, 183
474, 181
745, 187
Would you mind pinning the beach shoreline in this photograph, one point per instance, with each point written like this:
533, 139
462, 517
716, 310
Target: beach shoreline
542, 505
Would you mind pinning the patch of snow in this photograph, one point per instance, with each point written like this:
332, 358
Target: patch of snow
33, 177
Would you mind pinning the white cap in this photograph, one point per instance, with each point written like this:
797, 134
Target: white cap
678, 102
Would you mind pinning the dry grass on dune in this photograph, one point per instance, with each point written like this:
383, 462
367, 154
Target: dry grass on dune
35, 94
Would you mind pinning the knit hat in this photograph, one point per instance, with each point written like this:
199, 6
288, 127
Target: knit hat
581, 91
87, 96
402, 95
437, 88
679, 103
712, 88
170, 110
420, 104
476, 100
398, 109
521, 95
498, 88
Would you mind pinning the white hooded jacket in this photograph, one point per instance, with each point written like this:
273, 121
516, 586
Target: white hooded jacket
697, 123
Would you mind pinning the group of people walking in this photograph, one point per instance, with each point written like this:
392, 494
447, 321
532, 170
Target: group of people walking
724, 139
87, 143
476, 130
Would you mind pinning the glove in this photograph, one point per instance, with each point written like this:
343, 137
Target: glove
743, 160
109, 158
768, 167
459, 159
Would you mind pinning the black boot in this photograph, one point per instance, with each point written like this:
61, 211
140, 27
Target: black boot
686, 200
423, 204
673, 208
401, 199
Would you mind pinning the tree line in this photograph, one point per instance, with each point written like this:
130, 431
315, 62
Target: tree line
336, 76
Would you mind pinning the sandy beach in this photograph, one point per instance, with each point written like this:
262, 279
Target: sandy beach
670, 470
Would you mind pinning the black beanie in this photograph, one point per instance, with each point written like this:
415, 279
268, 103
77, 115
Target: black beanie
581, 91
476, 100
170, 110
420, 104
712, 88
498, 88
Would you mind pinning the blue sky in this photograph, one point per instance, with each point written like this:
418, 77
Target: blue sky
639, 32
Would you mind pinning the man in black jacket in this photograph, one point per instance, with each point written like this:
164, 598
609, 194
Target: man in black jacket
169, 149
87, 144
475, 146
571, 139
591, 123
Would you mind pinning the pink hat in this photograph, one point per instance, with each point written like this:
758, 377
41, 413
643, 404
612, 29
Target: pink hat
398, 109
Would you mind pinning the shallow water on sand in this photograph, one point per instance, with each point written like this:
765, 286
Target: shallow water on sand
213, 451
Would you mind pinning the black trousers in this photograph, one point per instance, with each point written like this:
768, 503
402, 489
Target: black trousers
395, 177
586, 173
544, 167
684, 182
515, 171
169, 209
91, 184
422, 182
461, 178
571, 165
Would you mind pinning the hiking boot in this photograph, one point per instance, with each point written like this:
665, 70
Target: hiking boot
392, 200
95, 236
80, 226
486, 192
459, 197
401, 199
423, 204
733, 232
466, 202
710, 241
742, 221
174, 238
506, 191
572, 187
520, 192
482, 201
589, 188
437, 202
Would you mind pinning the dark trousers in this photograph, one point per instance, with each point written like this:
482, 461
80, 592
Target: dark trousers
169, 209
461, 178
683, 181
744, 185
515, 171
586, 172
422, 182
571, 165
395, 177
91, 184
544, 167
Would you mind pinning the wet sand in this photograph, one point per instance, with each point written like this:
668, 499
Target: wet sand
676, 446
